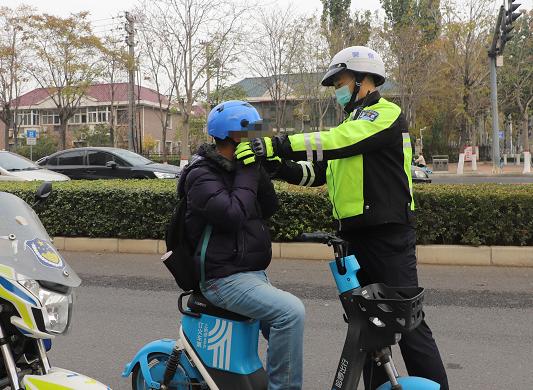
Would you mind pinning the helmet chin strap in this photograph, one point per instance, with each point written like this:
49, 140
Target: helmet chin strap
351, 104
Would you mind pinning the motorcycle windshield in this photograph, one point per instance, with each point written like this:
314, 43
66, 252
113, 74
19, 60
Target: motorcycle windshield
26, 250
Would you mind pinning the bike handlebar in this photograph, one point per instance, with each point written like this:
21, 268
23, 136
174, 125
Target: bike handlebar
339, 246
318, 237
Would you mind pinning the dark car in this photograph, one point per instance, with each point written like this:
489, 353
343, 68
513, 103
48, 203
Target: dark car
419, 175
106, 163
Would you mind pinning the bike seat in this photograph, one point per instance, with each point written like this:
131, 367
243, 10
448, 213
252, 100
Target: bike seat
197, 303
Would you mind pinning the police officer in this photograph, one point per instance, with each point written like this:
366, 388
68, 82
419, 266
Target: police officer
366, 163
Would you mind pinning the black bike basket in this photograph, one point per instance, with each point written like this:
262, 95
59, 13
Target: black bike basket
390, 310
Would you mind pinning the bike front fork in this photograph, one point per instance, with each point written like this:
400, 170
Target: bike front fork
383, 358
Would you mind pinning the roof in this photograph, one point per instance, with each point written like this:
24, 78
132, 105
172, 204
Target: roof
98, 92
255, 87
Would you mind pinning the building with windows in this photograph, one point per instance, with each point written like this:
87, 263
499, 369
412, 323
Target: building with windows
101, 103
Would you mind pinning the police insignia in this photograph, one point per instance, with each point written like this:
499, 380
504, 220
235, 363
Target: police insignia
45, 253
368, 115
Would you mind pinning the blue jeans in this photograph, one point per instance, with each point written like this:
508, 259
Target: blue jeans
282, 321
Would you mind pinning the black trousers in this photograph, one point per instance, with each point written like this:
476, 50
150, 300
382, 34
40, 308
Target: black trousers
387, 255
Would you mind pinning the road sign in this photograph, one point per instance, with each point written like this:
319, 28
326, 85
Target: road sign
31, 133
31, 141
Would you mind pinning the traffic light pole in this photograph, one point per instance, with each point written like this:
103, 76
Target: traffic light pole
493, 53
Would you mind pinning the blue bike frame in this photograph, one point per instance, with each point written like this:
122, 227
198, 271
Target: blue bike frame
224, 351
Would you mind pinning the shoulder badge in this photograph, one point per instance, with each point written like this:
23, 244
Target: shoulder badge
368, 115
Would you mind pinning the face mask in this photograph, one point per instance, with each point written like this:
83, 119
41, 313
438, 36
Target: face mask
343, 95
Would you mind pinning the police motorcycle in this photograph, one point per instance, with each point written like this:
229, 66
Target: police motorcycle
36, 299
217, 349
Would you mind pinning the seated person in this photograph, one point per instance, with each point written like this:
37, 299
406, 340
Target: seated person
235, 199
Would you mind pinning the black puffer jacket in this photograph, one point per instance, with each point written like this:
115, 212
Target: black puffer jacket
235, 200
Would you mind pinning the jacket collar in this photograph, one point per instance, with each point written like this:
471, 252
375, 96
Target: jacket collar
369, 100
209, 152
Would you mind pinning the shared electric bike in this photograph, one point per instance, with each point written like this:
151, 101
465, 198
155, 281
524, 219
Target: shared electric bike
217, 349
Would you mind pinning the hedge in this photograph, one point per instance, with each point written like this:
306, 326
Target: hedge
484, 214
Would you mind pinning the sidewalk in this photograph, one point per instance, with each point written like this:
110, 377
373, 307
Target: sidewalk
484, 168
507, 256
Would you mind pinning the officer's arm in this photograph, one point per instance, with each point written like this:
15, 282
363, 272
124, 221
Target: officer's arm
303, 173
368, 133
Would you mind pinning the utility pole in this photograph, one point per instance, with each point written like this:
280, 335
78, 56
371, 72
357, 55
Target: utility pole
207, 86
130, 41
501, 36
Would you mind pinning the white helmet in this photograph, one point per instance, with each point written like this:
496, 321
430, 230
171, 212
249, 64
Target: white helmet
360, 59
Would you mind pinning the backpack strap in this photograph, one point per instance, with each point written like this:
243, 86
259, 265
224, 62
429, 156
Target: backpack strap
205, 241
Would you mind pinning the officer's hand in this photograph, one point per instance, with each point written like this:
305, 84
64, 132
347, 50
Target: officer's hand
272, 165
263, 147
245, 154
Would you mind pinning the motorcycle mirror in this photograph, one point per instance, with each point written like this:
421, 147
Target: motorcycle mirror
43, 191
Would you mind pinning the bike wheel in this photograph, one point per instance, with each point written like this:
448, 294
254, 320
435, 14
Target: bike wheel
158, 363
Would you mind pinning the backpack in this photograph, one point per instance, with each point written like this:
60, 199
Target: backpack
180, 258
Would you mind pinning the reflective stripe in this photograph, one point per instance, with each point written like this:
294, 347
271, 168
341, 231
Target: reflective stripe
406, 140
312, 177
308, 173
319, 151
305, 175
308, 147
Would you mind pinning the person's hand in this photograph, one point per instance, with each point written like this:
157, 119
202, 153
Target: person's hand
245, 154
263, 147
272, 165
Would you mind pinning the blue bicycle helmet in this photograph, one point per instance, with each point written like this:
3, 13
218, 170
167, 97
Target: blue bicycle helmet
232, 116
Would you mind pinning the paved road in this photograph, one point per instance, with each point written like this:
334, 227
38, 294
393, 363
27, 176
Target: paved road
481, 318
455, 179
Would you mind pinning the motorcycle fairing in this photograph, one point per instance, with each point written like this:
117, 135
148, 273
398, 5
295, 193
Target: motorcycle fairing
26, 247
61, 379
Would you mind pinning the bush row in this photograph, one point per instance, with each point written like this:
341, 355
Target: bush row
488, 214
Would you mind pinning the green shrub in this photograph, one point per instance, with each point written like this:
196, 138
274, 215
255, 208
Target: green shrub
488, 214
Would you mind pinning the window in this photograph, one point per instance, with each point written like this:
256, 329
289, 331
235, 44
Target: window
50, 118
27, 118
99, 158
131, 157
71, 158
98, 114
122, 116
13, 162
79, 117
51, 161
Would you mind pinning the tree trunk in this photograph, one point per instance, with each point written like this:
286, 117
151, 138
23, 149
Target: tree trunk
184, 137
525, 129
63, 134
164, 136
7, 123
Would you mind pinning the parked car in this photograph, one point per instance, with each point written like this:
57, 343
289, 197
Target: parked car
419, 175
14, 167
106, 163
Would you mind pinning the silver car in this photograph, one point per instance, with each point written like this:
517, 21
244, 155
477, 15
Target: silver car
14, 167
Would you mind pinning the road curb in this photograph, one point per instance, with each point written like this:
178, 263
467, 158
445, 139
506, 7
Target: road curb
506, 256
